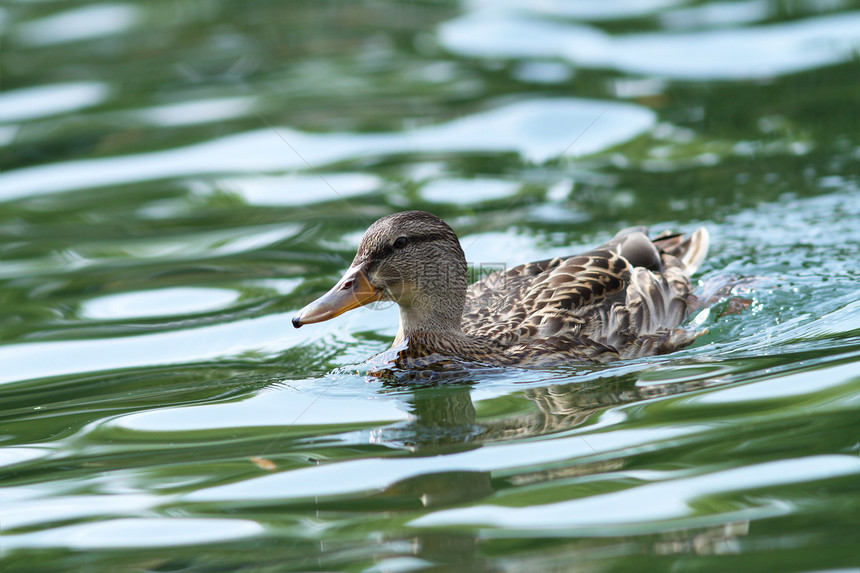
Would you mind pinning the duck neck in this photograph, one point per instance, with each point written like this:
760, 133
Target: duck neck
439, 315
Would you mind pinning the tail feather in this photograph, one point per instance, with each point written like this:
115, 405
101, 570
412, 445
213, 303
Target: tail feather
690, 250
697, 251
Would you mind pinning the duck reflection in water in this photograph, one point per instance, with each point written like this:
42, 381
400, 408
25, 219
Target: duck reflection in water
444, 420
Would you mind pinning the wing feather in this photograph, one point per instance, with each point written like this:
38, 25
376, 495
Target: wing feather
625, 298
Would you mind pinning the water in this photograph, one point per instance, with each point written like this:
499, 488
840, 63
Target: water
180, 177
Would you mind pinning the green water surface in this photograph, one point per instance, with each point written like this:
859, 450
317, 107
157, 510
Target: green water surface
178, 178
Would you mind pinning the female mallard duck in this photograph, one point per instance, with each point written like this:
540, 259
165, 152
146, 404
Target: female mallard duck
623, 299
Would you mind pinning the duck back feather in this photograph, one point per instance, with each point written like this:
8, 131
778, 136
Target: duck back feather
621, 300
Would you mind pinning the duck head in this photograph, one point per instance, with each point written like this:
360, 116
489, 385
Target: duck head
412, 258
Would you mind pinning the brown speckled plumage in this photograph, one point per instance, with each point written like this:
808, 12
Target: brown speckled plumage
621, 300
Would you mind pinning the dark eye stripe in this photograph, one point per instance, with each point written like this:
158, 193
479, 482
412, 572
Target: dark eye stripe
413, 240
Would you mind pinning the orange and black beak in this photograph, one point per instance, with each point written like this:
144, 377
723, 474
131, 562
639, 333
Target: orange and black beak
351, 291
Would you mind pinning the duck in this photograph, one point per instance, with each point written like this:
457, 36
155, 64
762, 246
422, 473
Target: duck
624, 299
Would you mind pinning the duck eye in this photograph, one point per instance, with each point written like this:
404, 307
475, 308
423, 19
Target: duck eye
400, 242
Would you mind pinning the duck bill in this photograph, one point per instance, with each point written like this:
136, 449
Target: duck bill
351, 291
